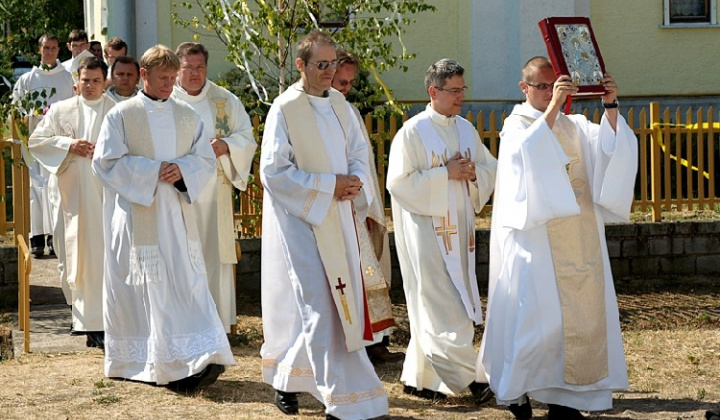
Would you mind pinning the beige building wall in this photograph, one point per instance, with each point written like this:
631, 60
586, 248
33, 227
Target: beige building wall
650, 60
490, 38
442, 34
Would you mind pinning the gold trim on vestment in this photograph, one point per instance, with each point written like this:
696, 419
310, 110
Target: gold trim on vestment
286, 369
354, 397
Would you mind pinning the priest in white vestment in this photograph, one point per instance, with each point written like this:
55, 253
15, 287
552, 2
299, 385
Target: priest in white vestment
372, 235
553, 330
125, 77
53, 84
313, 166
228, 129
161, 325
63, 143
439, 176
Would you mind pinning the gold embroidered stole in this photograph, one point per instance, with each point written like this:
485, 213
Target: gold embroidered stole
374, 255
146, 265
446, 228
312, 157
577, 258
225, 218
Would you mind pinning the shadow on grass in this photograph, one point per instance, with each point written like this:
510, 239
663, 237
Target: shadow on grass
655, 405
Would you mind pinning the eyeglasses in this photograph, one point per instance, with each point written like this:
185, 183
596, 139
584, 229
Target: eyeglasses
542, 86
324, 65
79, 45
453, 91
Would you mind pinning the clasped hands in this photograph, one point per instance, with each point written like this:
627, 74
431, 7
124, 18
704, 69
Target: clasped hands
82, 148
460, 168
169, 172
347, 187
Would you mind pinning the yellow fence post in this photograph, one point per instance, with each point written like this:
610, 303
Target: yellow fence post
655, 185
24, 268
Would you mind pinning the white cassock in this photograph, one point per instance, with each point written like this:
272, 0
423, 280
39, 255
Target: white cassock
442, 311
81, 197
213, 104
305, 349
165, 330
39, 80
525, 348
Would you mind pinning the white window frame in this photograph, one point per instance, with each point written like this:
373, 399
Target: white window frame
666, 18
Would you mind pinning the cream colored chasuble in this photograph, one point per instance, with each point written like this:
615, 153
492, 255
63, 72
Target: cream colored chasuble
577, 258
225, 216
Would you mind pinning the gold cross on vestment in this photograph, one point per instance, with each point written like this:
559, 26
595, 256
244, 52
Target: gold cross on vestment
370, 271
343, 299
444, 231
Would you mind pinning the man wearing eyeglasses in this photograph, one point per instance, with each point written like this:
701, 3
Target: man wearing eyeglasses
439, 176
227, 127
313, 165
553, 331
373, 237
79, 48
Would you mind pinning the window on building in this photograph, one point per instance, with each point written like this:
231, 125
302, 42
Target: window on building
690, 12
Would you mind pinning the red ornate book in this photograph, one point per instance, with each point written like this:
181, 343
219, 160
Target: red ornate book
573, 51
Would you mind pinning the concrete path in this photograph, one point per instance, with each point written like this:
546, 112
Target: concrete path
50, 317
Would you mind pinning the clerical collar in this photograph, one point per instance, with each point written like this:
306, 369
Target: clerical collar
202, 90
90, 103
153, 98
439, 118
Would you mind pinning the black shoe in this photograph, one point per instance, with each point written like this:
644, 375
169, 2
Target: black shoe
560, 412
379, 353
426, 394
521, 411
37, 251
95, 339
481, 392
204, 378
287, 402
51, 250
331, 417
712, 414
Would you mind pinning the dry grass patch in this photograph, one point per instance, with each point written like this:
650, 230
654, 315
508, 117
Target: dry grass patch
673, 375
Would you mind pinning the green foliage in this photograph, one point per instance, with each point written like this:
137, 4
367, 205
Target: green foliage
261, 35
24, 22
27, 20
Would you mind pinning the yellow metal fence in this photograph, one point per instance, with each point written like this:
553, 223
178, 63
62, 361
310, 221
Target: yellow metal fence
676, 168
678, 153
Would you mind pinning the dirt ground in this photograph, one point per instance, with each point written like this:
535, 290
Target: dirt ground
672, 341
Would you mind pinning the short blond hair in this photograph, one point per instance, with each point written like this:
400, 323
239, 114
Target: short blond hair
159, 56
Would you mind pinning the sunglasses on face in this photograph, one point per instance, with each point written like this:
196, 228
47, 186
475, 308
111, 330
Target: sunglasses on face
324, 65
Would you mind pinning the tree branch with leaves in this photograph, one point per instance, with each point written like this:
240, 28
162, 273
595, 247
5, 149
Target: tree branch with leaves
260, 35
